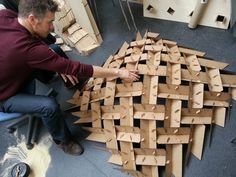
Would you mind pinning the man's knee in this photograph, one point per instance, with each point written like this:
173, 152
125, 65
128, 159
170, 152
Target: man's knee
50, 107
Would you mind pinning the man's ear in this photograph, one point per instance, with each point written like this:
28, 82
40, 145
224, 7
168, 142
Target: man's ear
32, 19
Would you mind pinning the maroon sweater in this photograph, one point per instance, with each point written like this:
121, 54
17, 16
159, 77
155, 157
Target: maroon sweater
21, 53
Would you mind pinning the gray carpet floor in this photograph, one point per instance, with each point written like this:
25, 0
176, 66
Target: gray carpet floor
218, 160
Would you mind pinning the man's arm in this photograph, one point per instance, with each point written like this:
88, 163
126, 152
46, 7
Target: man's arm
98, 71
113, 72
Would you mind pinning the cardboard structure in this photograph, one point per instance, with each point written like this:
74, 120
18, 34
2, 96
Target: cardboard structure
145, 124
68, 27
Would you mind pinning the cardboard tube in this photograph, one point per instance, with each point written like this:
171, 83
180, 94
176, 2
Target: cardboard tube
197, 13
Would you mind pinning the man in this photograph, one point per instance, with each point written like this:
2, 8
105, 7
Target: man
22, 52
41, 75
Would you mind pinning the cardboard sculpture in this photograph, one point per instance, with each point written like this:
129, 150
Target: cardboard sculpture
146, 123
67, 26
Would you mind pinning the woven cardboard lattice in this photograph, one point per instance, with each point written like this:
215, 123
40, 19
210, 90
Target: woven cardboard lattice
146, 123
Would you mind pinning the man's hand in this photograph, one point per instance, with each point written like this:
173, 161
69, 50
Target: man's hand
70, 78
127, 75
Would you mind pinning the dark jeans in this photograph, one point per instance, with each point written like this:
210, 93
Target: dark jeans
46, 107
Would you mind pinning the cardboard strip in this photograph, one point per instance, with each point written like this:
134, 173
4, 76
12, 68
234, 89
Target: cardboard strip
148, 134
191, 51
152, 70
196, 116
115, 159
149, 112
169, 42
174, 53
132, 58
175, 74
152, 35
116, 63
96, 115
169, 163
228, 80
202, 61
177, 160
233, 93
175, 114
123, 49
110, 109
152, 48
214, 80
110, 93
173, 135
98, 83
97, 95
127, 112
137, 57
197, 95
216, 99
167, 113
110, 134
97, 134
153, 160
209, 63
108, 61
128, 137
149, 92
198, 140
129, 89
140, 43
173, 92
219, 116
85, 101
127, 155
193, 63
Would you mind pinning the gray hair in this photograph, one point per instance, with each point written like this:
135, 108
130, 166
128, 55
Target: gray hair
38, 8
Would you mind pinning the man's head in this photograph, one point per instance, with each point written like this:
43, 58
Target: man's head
39, 14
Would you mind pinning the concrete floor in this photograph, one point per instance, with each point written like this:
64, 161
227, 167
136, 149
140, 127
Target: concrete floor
218, 160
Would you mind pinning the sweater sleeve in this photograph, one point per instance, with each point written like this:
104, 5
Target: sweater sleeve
42, 57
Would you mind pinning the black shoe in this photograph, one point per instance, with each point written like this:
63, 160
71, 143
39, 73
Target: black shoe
71, 148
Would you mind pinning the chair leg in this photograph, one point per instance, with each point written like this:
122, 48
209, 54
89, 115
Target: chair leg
36, 130
18, 122
29, 145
